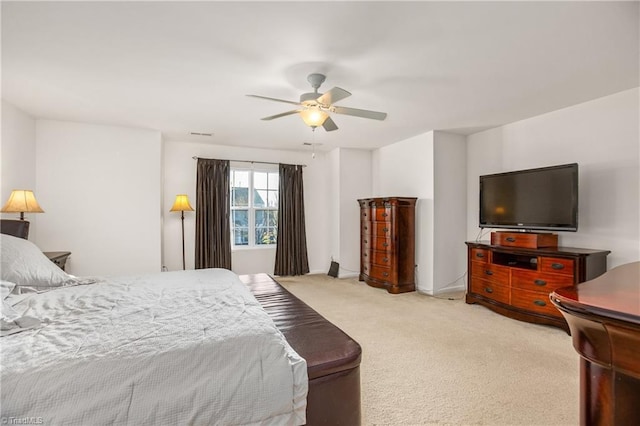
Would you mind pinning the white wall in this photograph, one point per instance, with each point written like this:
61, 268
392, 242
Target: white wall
100, 188
431, 167
333, 203
450, 212
18, 153
602, 136
351, 179
180, 177
405, 169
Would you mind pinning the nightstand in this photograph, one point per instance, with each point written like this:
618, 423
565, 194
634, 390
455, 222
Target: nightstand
58, 257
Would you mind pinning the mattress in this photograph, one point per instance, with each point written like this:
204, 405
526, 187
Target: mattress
188, 347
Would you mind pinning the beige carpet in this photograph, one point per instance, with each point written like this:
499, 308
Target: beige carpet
430, 360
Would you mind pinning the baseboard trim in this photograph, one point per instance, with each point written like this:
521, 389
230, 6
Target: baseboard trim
348, 274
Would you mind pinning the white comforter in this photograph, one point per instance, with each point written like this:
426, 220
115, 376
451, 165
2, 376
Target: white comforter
190, 347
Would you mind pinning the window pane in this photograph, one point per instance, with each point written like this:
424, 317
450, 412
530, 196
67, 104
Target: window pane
266, 218
265, 236
259, 198
241, 236
260, 180
240, 197
240, 178
273, 218
272, 200
262, 218
240, 218
273, 181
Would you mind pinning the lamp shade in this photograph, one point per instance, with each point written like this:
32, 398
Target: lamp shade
314, 117
22, 201
181, 204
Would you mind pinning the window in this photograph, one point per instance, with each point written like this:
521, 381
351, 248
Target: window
254, 207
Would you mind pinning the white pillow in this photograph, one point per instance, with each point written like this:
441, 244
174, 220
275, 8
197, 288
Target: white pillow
24, 264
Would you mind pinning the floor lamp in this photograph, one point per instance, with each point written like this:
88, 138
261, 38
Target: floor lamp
182, 205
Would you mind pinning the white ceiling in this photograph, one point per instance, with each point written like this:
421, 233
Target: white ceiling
186, 67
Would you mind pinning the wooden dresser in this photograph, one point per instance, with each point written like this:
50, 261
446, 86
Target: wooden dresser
604, 317
387, 243
516, 282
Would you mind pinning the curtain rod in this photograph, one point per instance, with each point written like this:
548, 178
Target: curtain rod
248, 161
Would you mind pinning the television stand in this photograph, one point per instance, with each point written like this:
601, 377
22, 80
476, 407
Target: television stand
516, 281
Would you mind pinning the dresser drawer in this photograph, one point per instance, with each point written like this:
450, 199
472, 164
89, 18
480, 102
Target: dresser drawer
380, 273
366, 255
487, 271
382, 214
382, 229
365, 244
365, 214
534, 301
377, 243
536, 281
524, 239
490, 290
366, 228
381, 258
383, 244
556, 265
480, 255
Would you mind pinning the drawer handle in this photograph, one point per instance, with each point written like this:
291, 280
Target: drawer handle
480, 255
386, 259
488, 272
385, 229
557, 266
366, 242
488, 290
365, 228
385, 244
540, 303
511, 239
365, 255
384, 215
366, 269
386, 274
365, 215
540, 282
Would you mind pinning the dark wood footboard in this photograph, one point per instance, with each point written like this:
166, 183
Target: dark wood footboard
333, 358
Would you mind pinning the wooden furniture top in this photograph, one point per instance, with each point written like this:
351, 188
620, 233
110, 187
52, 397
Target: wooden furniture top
614, 295
389, 200
56, 254
544, 251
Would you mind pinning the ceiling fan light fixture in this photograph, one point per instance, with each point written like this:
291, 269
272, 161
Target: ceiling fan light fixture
314, 117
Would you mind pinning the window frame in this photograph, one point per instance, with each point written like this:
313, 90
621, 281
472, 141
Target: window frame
251, 208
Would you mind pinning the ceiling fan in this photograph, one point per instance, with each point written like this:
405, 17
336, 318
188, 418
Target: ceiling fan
314, 107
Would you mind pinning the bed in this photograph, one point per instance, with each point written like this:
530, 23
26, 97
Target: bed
188, 347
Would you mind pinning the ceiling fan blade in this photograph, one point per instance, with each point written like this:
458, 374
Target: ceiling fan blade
282, 114
333, 96
329, 125
359, 112
274, 99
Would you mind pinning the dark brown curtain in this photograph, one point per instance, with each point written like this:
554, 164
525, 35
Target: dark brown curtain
213, 230
291, 250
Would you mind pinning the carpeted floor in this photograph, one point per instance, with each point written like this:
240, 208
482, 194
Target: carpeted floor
429, 360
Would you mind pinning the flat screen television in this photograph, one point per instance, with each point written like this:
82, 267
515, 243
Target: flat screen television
545, 198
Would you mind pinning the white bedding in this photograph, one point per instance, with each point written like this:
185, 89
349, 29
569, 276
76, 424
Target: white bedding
188, 347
